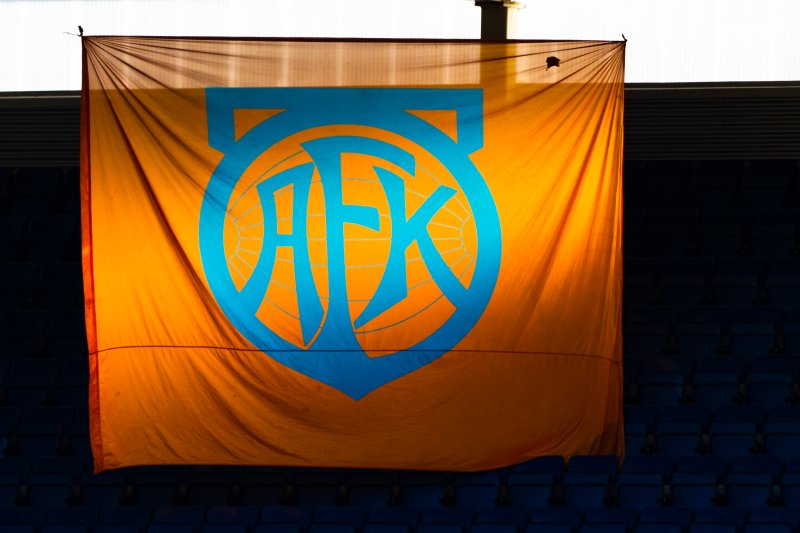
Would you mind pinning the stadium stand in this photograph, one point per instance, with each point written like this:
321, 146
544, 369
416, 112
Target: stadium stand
712, 389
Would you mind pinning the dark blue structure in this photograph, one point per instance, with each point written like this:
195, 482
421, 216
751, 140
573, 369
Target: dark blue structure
712, 368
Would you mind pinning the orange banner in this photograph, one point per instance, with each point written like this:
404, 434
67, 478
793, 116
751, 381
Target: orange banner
355, 254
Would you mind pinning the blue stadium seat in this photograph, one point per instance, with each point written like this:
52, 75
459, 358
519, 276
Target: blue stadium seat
370, 488
170, 528
663, 185
352, 516
600, 464
680, 427
585, 489
246, 515
698, 339
713, 389
716, 183
661, 388
300, 517
769, 182
791, 332
516, 518
59, 286
278, 528
11, 243
752, 339
783, 282
669, 240
105, 491
493, 528
312, 487
211, 486
603, 528
640, 280
712, 528
193, 515
224, 528
665, 516
21, 331
769, 388
439, 528
423, 489
764, 191
156, 487
623, 516
720, 240
774, 216
738, 280
745, 489
686, 280
563, 516
21, 519
549, 528
694, 489
460, 516
713, 464
774, 240
780, 518
639, 489
548, 464
117, 517
476, 490
262, 487
721, 516
86, 516
385, 528
781, 437
530, 489
405, 516
734, 428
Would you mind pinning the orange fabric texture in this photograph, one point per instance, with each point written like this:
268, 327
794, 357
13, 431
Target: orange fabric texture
355, 254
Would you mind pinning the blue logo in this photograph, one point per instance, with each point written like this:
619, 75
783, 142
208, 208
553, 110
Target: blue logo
347, 234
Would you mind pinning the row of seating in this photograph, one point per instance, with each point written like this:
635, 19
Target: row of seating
40, 238
712, 184
688, 489
729, 281
43, 286
219, 519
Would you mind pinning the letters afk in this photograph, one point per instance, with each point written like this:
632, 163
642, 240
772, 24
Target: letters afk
330, 349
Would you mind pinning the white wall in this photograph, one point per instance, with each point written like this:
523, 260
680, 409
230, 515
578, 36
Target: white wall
668, 40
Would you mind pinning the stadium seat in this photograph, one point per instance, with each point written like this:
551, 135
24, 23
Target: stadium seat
556, 516
478, 489
721, 516
773, 519
661, 388
459, 516
516, 518
312, 487
11, 231
739, 280
746, 489
371, 488
664, 516
530, 489
769, 388
783, 282
775, 240
639, 489
246, 516
405, 516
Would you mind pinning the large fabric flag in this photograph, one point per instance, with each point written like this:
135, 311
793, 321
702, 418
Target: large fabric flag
358, 254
